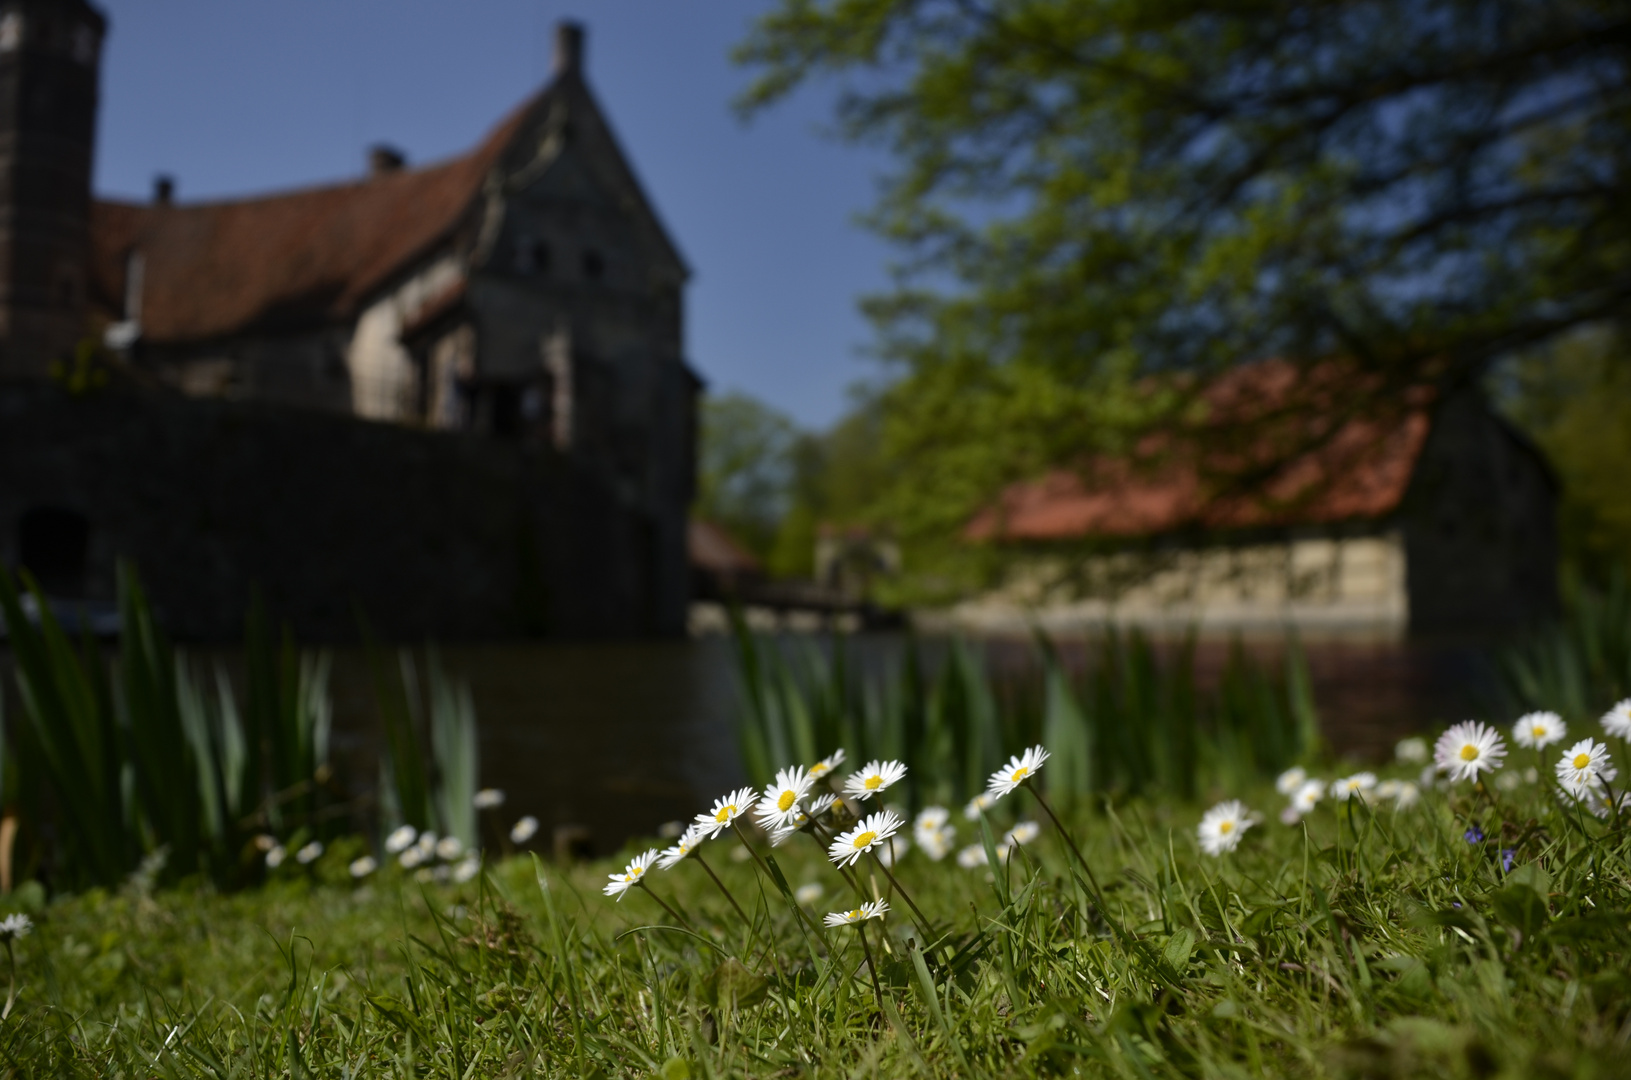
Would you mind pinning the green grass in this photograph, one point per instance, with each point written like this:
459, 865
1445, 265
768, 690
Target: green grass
1363, 945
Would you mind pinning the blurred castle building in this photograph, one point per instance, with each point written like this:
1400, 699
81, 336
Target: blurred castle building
524, 294
1430, 517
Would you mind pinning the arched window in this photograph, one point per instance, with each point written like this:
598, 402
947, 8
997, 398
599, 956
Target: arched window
53, 544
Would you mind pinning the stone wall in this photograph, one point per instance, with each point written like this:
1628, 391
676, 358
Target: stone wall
432, 535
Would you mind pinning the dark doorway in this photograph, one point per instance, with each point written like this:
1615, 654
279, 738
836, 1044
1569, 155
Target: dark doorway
53, 544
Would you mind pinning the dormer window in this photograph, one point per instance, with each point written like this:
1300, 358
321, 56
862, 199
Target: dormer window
594, 267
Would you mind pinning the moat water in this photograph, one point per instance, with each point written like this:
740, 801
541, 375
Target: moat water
610, 740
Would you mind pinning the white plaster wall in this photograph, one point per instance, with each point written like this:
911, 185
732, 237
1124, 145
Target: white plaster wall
384, 382
1340, 585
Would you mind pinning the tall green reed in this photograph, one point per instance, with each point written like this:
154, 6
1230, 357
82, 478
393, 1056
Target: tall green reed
115, 758
1130, 718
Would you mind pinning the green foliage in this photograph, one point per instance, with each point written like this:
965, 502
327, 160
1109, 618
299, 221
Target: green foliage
430, 766
745, 468
1579, 666
1131, 721
1091, 192
1574, 399
1354, 945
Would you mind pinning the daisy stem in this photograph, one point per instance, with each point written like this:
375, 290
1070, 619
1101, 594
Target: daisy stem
798, 910
11, 991
697, 855
824, 843
1092, 881
871, 968
664, 905
922, 923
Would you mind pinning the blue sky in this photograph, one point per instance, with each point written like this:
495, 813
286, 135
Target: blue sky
234, 97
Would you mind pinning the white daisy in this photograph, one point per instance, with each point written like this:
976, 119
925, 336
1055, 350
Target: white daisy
400, 838
1411, 751
1023, 833
1387, 789
1290, 780
1601, 803
979, 805
449, 848
631, 875
1409, 795
872, 778
1020, 768
972, 856
524, 830
1583, 767
426, 844
468, 869
873, 909
1617, 721
1358, 784
780, 804
16, 926
275, 857
1308, 795
873, 830
361, 868
1222, 826
727, 808
808, 893
1538, 730
827, 764
683, 847
1467, 749
933, 832
310, 853
411, 858
265, 842
488, 799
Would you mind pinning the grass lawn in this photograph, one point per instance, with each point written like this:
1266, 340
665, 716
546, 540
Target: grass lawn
1362, 941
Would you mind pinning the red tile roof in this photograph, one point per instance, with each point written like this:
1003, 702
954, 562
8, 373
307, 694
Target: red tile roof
286, 261
1319, 456
716, 551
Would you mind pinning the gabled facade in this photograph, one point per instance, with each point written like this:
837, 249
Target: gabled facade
526, 290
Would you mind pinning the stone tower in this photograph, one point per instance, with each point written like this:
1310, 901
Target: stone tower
50, 53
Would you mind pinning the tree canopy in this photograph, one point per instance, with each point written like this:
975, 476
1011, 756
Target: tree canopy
1088, 193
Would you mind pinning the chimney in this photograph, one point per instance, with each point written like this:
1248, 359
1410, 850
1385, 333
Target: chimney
164, 190
568, 47
384, 160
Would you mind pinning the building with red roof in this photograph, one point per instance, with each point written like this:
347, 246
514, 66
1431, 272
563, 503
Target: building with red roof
1303, 496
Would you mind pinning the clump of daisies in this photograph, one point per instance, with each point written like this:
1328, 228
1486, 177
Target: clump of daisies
1585, 769
1222, 827
934, 833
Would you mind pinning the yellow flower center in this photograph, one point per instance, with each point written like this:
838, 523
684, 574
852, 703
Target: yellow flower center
853, 916
1582, 760
864, 839
1019, 774
873, 783
1226, 828
1539, 732
817, 770
636, 872
785, 802
1469, 753
725, 812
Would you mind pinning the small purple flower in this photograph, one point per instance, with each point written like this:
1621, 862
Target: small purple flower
1455, 903
1474, 835
1506, 860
